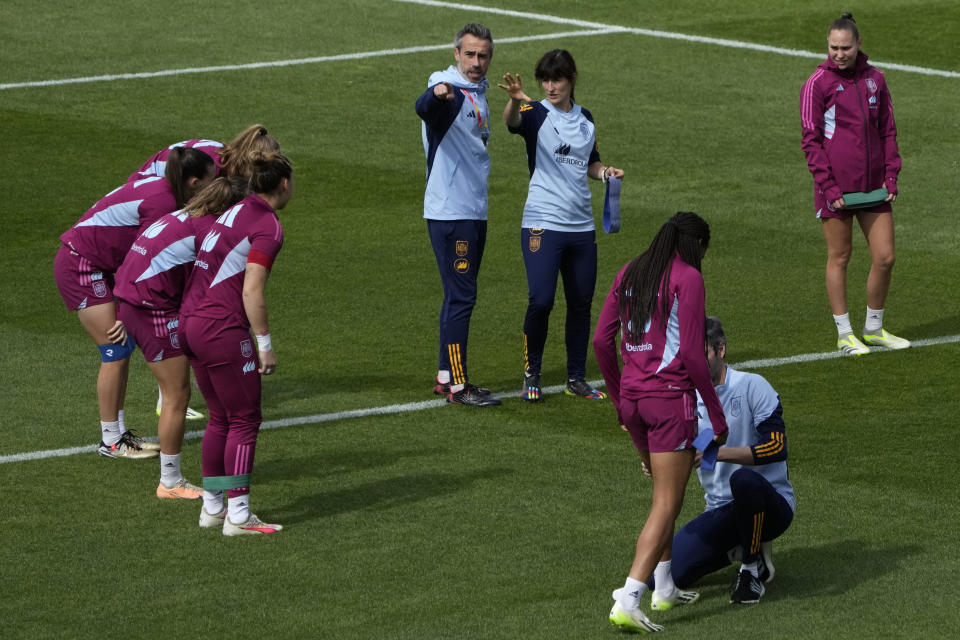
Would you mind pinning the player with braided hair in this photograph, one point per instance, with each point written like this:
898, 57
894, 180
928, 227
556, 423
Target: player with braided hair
657, 302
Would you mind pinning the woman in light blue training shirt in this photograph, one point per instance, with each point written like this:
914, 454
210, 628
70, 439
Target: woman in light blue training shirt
558, 235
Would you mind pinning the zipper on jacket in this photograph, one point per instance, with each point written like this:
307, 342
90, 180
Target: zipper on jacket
866, 137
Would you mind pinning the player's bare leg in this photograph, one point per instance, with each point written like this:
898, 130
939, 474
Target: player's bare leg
838, 234
112, 379
878, 230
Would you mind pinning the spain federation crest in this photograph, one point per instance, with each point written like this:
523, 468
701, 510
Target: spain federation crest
736, 406
534, 244
462, 247
174, 340
99, 288
246, 348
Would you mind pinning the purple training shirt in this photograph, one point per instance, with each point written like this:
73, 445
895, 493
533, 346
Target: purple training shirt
105, 232
249, 231
668, 361
157, 164
155, 271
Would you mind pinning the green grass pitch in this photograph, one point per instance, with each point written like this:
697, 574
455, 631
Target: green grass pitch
514, 522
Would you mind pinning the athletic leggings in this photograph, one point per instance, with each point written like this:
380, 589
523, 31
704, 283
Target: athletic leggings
225, 363
546, 255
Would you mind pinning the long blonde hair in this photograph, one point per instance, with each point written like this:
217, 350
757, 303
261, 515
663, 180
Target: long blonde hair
218, 196
235, 157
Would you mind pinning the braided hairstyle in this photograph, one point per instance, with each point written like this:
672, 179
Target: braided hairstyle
648, 275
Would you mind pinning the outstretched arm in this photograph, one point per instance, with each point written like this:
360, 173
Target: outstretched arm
438, 105
514, 88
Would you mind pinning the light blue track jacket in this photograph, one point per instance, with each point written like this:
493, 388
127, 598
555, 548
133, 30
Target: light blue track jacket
752, 409
455, 134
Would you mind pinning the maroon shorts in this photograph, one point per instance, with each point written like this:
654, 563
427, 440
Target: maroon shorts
154, 330
80, 283
824, 210
661, 423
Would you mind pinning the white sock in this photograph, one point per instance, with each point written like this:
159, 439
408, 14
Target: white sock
110, 432
629, 596
238, 509
213, 501
663, 579
170, 473
874, 322
752, 568
843, 324
443, 376
456, 387
123, 425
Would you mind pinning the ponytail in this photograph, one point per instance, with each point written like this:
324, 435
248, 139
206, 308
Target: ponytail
183, 164
218, 196
647, 276
236, 155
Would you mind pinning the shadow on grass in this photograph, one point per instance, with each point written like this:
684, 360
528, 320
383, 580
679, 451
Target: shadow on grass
307, 383
933, 329
833, 569
337, 462
383, 494
809, 572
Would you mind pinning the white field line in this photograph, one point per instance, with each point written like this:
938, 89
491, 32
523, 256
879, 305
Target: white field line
282, 63
394, 409
652, 33
591, 29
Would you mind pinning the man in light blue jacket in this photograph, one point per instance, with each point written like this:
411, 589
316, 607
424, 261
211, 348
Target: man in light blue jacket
750, 500
456, 129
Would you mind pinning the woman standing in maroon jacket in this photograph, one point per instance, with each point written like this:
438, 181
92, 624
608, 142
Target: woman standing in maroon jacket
850, 140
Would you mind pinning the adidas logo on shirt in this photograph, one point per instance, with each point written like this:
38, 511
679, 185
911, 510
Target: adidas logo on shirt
249, 366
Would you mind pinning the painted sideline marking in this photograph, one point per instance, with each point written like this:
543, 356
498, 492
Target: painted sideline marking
394, 409
652, 33
281, 63
591, 29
